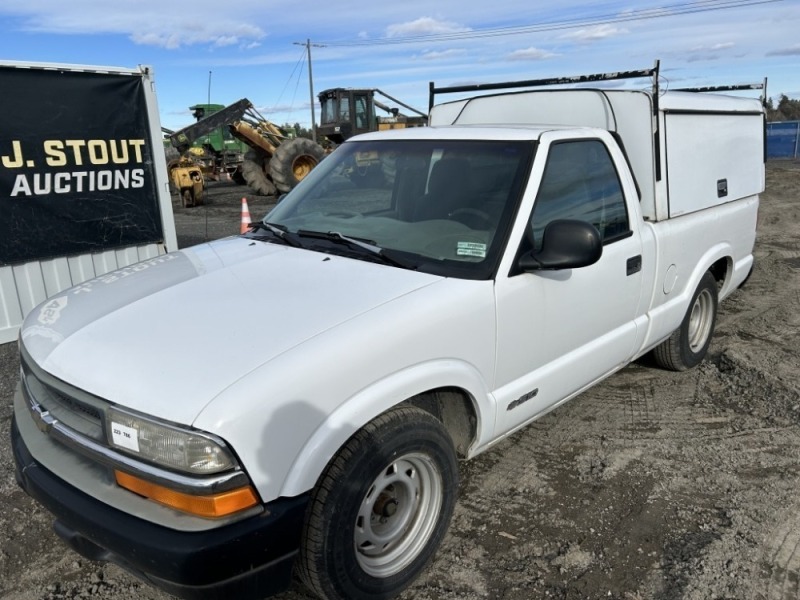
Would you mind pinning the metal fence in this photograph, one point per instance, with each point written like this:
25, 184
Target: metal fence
783, 139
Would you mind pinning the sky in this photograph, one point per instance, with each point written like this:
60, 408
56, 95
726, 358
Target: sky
257, 49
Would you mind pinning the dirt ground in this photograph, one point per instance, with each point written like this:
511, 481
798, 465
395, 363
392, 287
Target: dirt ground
652, 485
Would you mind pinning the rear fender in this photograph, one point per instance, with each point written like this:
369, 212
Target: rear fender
668, 316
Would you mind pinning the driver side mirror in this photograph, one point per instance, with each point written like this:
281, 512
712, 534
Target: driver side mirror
566, 244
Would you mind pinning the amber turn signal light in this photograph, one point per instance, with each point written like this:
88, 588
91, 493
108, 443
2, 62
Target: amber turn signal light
212, 506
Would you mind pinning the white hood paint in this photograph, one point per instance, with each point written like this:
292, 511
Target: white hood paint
168, 335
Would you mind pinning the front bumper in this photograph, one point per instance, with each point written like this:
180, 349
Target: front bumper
252, 558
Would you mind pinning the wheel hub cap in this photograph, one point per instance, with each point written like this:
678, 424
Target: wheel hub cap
398, 515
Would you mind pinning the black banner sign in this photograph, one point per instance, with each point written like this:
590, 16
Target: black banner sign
77, 173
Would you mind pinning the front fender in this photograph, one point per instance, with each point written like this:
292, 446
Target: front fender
363, 407
287, 418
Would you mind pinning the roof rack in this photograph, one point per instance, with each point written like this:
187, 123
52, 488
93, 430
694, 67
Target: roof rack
479, 87
731, 88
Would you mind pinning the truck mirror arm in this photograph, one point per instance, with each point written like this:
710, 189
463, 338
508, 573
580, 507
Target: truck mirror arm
566, 244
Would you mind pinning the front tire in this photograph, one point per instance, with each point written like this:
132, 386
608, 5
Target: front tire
688, 345
293, 161
380, 509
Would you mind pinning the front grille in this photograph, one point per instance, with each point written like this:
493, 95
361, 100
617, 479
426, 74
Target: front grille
80, 416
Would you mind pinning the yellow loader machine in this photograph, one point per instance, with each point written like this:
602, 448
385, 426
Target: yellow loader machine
187, 178
275, 162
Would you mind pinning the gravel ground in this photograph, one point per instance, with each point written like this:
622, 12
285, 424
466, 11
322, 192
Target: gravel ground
651, 485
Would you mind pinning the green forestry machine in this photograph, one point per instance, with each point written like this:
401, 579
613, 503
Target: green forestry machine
217, 151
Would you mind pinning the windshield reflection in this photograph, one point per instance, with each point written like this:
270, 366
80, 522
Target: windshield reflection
447, 203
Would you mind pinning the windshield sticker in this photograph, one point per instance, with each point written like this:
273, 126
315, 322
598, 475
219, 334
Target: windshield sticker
471, 249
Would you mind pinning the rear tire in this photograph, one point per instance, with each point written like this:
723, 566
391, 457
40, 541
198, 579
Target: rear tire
293, 161
688, 345
254, 173
380, 509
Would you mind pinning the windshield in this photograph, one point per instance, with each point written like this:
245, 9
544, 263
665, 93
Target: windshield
445, 206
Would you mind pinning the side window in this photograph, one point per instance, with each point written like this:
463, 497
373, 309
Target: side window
580, 182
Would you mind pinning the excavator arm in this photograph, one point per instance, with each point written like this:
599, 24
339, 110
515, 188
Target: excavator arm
183, 138
393, 111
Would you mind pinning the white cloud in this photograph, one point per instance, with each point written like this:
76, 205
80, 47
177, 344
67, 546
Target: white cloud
595, 33
216, 34
442, 54
165, 25
709, 53
154, 39
792, 51
530, 54
423, 26
177, 37
713, 48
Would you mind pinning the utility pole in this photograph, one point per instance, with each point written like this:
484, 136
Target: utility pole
308, 45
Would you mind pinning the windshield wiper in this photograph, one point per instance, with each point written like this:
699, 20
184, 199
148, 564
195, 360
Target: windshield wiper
279, 231
368, 246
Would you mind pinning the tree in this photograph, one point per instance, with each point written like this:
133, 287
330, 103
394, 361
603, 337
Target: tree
302, 131
788, 109
297, 130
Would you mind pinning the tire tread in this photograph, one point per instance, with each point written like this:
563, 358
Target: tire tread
280, 165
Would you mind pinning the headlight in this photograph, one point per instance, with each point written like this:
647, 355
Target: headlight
166, 445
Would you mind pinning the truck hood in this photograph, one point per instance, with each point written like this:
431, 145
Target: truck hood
167, 335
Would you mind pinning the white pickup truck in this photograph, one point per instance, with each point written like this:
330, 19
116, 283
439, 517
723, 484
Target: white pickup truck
296, 399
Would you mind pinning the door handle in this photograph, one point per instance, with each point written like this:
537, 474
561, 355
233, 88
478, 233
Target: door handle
634, 264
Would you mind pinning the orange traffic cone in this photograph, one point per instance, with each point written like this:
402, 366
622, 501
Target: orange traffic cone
245, 217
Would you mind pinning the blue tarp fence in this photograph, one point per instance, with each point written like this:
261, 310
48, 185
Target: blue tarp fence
783, 139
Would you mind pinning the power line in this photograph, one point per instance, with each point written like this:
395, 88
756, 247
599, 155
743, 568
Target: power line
300, 62
670, 10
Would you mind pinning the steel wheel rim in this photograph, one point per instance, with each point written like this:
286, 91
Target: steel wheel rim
398, 515
700, 320
302, 166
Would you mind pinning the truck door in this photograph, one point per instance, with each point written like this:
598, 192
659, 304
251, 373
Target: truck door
559, 331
